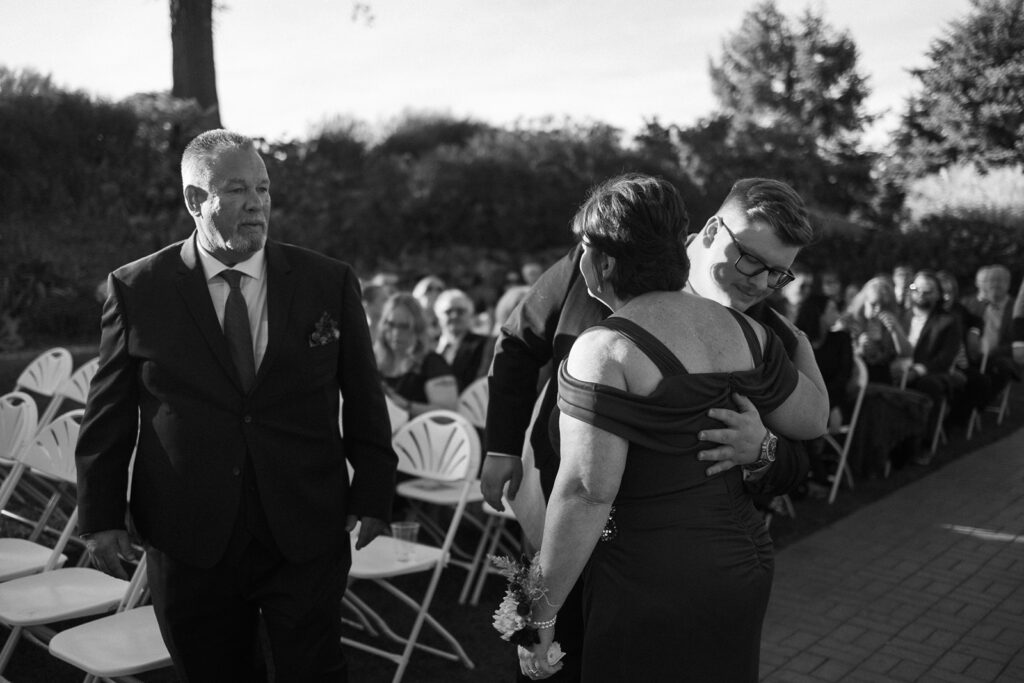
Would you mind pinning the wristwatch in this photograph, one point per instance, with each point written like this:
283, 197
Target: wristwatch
767, 455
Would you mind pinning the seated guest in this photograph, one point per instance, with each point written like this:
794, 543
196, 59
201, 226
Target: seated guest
831, 286
426, 292
889, 416
415, 378
902, 274
374, 297
468, 354
976, 386
1018, 327
995, 309
796, 292
935, 336
875, 329
833, 352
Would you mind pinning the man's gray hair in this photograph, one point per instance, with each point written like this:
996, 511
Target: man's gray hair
195, 161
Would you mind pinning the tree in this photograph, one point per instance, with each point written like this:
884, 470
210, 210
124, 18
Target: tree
791, 105
971, 105
192, 59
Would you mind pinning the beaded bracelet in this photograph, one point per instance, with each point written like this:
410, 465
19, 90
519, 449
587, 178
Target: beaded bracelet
544, 624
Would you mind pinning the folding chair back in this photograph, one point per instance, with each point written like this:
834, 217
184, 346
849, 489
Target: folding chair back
74, 388
847, 430
44, 374
18, 415
473, 403
440, 444
52, 452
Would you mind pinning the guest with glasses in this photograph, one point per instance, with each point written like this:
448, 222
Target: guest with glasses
468, 353
415, 378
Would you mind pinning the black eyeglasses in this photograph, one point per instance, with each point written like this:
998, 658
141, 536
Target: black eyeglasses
750, 265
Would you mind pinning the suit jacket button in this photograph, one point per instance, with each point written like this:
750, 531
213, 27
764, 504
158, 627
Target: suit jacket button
247, 419
236, 470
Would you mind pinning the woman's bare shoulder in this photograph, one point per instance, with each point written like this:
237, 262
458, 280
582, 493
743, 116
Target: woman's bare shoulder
598, 355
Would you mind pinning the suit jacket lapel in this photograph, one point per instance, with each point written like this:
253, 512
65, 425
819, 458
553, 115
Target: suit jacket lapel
191, 283
280, 289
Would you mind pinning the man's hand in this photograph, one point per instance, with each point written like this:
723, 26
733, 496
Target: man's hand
369, 529
741, 439
499, 470
107, 548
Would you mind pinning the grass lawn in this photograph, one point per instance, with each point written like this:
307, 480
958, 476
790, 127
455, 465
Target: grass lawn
494, 659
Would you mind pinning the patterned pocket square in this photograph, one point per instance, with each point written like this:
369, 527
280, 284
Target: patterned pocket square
324, 332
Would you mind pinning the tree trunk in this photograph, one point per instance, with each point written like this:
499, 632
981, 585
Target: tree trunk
192, 47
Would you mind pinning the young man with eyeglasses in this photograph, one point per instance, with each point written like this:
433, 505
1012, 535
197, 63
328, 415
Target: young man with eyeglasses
770, 219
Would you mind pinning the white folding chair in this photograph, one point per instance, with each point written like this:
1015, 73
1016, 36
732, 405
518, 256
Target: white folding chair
473, 403
46, 372
30, 604
74, 388
440, 446
51, 453
846, 431
125, 643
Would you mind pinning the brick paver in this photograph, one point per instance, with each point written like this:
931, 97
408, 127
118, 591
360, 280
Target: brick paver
924, 585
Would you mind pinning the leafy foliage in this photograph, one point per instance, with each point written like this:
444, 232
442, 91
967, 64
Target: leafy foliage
971, 105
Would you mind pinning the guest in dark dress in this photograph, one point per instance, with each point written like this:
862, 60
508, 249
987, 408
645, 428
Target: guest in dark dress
677, 586
415, 378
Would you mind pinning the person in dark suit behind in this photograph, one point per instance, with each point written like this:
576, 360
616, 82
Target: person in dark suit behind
936, 338
222, 357
771, 220
995, 310
468, 353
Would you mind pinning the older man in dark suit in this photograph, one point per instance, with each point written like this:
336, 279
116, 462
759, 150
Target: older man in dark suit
221, 361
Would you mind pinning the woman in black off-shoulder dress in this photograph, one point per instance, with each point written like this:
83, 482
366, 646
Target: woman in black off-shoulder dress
676, 564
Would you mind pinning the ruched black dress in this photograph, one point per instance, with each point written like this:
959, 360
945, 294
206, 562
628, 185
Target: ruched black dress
677, 587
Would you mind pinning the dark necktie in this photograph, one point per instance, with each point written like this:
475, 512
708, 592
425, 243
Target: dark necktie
236, 329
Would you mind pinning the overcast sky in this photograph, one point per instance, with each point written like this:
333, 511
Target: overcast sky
285, 64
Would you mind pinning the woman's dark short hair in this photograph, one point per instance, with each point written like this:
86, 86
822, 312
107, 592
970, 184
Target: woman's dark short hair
641, 222
775, 203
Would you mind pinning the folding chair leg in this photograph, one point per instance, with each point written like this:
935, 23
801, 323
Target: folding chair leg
974, 421
940, 432
485, 569
12, 642
478, 563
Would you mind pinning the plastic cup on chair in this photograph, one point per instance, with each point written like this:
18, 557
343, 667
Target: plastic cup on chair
405, 534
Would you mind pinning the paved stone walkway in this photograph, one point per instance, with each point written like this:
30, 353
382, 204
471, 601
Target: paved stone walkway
927, 584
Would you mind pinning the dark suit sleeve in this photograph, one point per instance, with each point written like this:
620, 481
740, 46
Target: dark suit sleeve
524, 346
110, 426
364, 413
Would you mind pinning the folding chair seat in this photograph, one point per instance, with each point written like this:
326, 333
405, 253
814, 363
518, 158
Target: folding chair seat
122, 644
473, 403
51, 453
442, 447
846, 431
74, 388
